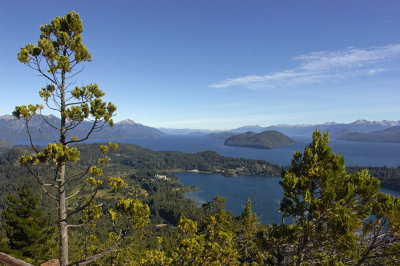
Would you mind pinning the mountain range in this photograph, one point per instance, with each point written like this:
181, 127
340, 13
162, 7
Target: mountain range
13, 129
336, 130
391, 134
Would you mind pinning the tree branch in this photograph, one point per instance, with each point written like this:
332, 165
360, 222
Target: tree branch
78, 209
74, 124
93, 258
87, 136
77, 225
47, 122
29, 134
39, 69
46, 137
8, 260
76, 193
80, 176
41, 184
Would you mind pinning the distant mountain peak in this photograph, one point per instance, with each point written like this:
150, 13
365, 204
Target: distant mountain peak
7, 117
51, 116
126, 122
290, 125
361, 122
330, 123
253, 126
13, 129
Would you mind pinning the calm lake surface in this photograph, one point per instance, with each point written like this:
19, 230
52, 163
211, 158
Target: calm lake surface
264, 192
354, 152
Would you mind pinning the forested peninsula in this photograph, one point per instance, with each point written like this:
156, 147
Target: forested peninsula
134, 159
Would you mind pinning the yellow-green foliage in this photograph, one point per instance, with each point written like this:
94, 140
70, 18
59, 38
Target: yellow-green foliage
116, 183
58, 153
59, 50
26, 160
137, 212
26, 112
96, 171
61, 29
94, 182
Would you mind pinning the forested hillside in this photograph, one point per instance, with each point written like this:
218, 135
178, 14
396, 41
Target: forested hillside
110, 204
139, 167
180, 233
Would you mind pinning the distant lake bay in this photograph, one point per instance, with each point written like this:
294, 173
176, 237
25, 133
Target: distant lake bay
264, 192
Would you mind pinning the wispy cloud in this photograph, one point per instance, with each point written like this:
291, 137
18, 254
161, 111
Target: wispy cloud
318, 67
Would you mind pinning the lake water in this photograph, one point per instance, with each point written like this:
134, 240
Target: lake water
264, 192
355, 153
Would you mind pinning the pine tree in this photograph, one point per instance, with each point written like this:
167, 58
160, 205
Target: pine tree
28, 232
246, 238
325, 211
56, 57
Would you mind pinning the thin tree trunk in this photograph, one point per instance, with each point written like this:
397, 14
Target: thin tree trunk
63, 218
61, 181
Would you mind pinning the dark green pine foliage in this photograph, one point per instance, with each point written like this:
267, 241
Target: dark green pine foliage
246, 237
326, 211
28, 232
327, 205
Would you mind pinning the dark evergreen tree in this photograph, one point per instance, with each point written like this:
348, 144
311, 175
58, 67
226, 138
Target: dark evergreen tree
28, 232
246, 237
327, 211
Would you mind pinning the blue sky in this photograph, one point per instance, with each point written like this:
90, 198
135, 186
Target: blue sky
222, 64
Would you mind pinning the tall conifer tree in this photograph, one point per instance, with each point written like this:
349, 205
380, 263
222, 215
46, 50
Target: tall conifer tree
28, 232
56, 57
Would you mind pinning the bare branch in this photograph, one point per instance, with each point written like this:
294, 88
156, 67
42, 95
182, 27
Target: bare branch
56, 104
79, 208
74, 125
68, 85
8, 260
87, 136
47, 122
50, 185
77, 225
39, 69
80, 176
74, 103
50, 107
76, 193
76, 73
29, 134
47, 137
41, 184
93, 258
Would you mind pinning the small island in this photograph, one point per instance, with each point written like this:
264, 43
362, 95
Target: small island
265, 140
